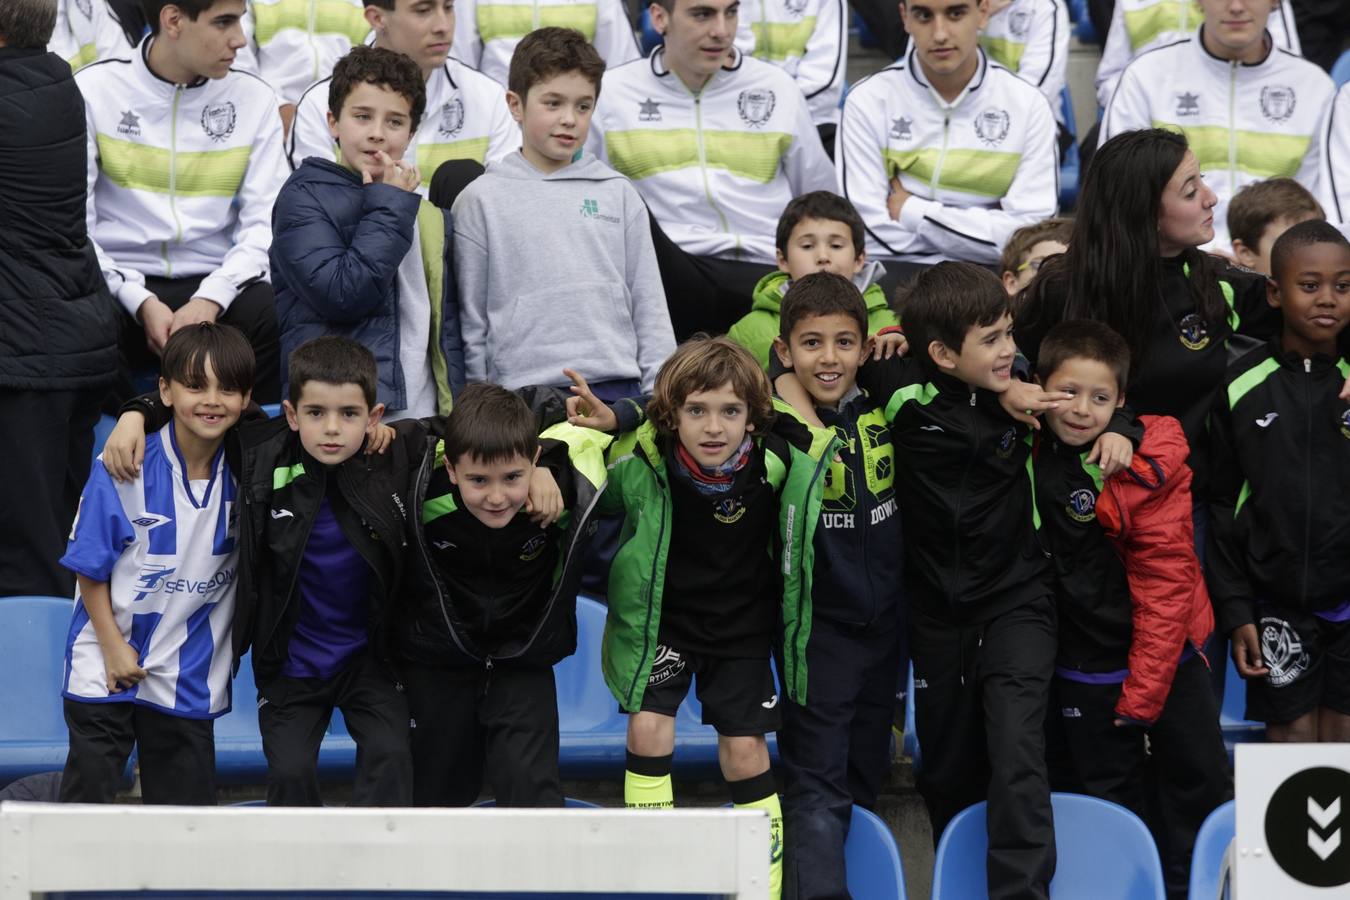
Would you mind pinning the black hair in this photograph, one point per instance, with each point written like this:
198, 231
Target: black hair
490, 424
944, 302
1304, 234
383, 68
189, 349
819, 205
1084, 339
331, 359
821, 294
191, 8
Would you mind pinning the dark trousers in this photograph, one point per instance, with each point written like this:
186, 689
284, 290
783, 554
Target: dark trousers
177, 755
254, 312
295, 716
704, 293
836, 749
980, 697
469, 724
45, 459
1172, 775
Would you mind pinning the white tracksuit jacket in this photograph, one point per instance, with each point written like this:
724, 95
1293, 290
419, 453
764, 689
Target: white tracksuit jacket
85, 31
808, 39
1138, 26
1031, 38
1245, 123
486, 33
293, 43
1333, 182
979, 168
181, 177
466, 118
716, 168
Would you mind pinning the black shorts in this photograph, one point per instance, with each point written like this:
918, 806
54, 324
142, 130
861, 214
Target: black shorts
1309, 662
739, 696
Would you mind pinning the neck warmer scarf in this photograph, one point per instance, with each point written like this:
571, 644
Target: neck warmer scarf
711, 480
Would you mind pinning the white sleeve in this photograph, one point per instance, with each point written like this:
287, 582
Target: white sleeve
110, 40
821, 72
595, 139
751, 11
1116, 55
247, 261
861, 170
466, 45
309, 130
1045, 61
806, 164
471, 267
504, 136
1284, 15
1333, 182
976, 234
614, 34
248, 57
1130, 107
127, 285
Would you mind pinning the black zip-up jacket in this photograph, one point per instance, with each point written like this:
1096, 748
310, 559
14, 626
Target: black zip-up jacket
435, 625
1279, 527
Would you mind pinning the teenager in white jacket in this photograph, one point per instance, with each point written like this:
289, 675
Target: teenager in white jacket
85, 31
808, 39
487, 31
1334, 182
1031, 38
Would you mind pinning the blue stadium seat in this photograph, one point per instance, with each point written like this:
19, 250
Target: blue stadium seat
592, 731
33, 736
102, 428
272, 409
1236, 728
911, 745
1070, 167
650, 39
871, 859
1340, 72
1082, 21
1211, 846
1104, 852
568, 803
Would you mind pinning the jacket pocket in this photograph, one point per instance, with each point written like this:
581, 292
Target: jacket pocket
545, 325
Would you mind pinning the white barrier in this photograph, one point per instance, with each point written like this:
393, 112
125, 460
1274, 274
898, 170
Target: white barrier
60, 847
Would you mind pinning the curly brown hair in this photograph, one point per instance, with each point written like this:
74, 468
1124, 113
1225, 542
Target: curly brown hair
381, 67
705, 363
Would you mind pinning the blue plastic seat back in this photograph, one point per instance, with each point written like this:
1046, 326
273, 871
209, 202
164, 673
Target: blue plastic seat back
568, 803
1104, 852
1340, 72
1236, 728
911, 744
1211, 845
650, 37
239, 752
1071, 166
592, 730
871, 859
33, 736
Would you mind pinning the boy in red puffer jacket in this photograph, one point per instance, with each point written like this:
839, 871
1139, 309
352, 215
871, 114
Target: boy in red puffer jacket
1133, 609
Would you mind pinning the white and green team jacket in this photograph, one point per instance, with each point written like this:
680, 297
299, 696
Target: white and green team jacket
1031, 38
466, 118
715, 168
978, 168
1138, 26
293, 43
1245, 123
1334, 181
808, 39
85, 31
486, 33
182, 177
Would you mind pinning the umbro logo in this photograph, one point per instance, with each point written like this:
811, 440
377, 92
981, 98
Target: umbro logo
444, 545
282, 513
771, 702
930, 428
1267, 419
149, 520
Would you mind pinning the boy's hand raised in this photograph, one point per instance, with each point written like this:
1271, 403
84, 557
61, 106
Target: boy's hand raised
379, 438
396, 173
1112, 452
892, 343
125, 448
1024, 401
1247, 652
584, 409
545, 502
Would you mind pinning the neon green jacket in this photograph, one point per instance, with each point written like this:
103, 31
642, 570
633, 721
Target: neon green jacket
756, 329
638, 487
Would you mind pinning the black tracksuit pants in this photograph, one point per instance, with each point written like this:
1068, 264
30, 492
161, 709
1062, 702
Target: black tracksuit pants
704, 293
1175, 782
295, 716
836, 750
980, 698
471, 723
177, 754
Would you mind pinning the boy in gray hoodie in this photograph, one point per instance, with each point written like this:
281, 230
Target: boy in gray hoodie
553, 248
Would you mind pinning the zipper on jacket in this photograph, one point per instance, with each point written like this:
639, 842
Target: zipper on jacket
173, 181
419, 492
960, 497
290, 589
535, 20
821, 465
1232, 125
1308, 418
651, 580
309, 36
703, 166
937, 172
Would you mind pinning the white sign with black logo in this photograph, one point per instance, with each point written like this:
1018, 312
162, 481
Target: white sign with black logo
1293, 821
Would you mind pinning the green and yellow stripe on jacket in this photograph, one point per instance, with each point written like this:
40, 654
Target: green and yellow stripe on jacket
639, 488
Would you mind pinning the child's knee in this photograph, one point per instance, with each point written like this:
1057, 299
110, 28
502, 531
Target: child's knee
742, 756
651, 734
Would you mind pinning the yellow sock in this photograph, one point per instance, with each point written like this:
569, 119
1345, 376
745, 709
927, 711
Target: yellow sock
770, 805
648, 791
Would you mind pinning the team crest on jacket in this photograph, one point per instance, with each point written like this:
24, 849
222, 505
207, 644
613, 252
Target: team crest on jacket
795, 7
755, 106
992, 125
130, 124
1345, 424
1194, 332
1082, 505
1006, 443
218, 120
1277, 102
452, 118
1019, 22
86, 8
531, 549
728, 511
1283, 652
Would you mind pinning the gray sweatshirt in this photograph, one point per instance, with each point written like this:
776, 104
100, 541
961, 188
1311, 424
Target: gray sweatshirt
558, 270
